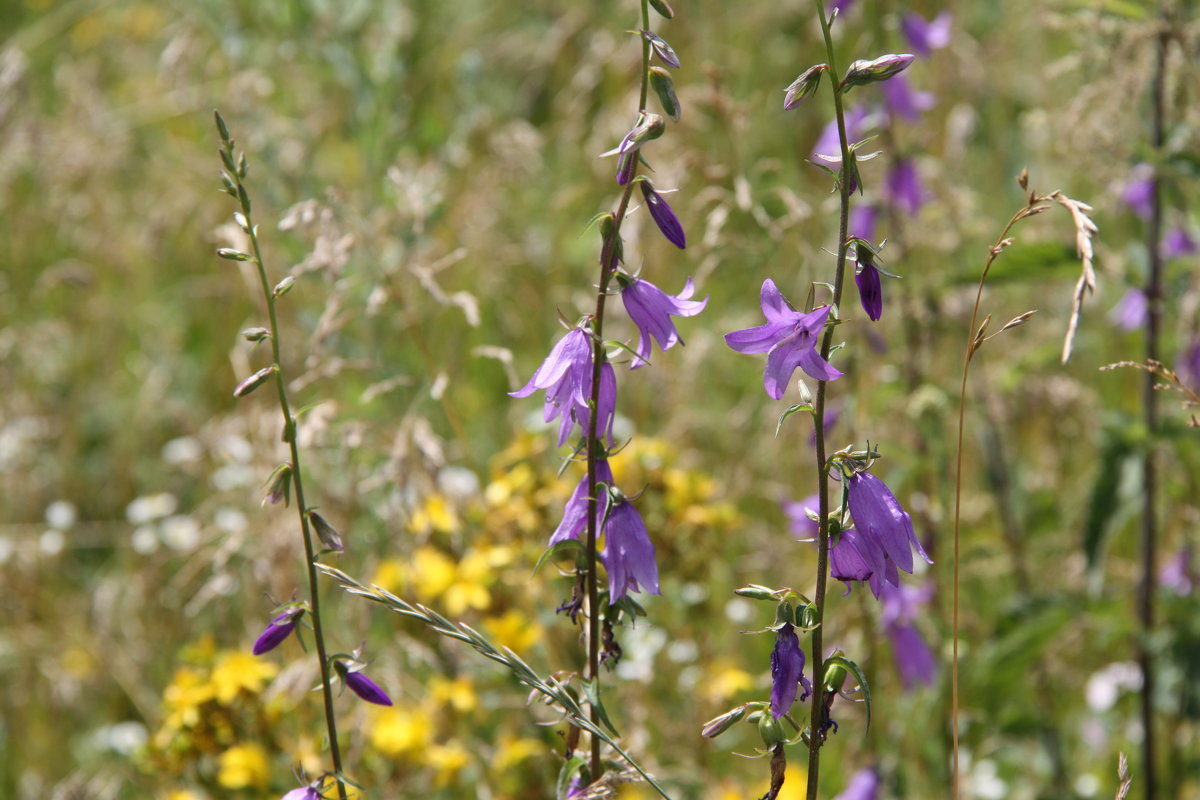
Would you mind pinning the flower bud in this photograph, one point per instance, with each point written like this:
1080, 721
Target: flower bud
255, 335
804, 86
880, 69
649, 127
664, 87
664, 51
254, 381
662, 8
233, 255
755, 592
663, 216
718, 725
281, 485
284, 286
328, 534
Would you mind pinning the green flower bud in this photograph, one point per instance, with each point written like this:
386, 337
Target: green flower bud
662, 8
254, 381
664, 87
880, 69
771, 730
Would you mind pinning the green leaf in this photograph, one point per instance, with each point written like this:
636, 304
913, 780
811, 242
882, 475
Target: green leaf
592, 690
558, 552
792, 410
855, 670
1118, 455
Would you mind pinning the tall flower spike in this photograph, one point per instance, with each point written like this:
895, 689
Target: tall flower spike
651, 310
628, 554
787, 671
789, 338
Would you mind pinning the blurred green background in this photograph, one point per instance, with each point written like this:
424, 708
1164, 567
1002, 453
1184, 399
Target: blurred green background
426, 170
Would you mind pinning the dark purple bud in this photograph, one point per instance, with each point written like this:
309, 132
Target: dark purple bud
328, 534
662, 8
279, 629
254, 381
870, 288
862, 72
661, 49
804, 86
664, 87
663, 216
626, 167
363, 686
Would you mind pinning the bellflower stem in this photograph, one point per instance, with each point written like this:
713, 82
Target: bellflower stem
1149, 532
817, 716
608, 266
289, 435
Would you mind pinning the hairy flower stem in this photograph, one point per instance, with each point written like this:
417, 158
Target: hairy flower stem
1149, 528
817, 715
608, 266
289, 436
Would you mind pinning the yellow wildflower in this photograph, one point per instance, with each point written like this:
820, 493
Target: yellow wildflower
237, 670
243, 766
459, 694
391, 575
433, 572
511, 751
398, 732
448, 760
513, 630
184, 794
726, 681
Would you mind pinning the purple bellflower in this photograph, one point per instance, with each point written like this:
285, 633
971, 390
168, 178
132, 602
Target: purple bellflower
361, 685
870, 285
1138, 193
914, 660
862, 221
309, 792
903, 188
925, 37
663, 216
882, 523
863, 785
787, 671
1130, 312
800, 524
789, 338
574, 519
651, 310
901, 100
628, 553
277, 630
566, 377
1177, 574
1178, 243
855, 558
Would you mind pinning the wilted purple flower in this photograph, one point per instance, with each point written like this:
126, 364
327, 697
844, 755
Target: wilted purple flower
651, 310
1130, 311
1188, 367
574, 519
862, 221
789, 339
925, 37
799, 523
903, 187
566, 377
863, 785
663, 216
870, 285
880, 519
1176, 574
1178, 243
1139, 191
362, 686
628, 552
901, 100
664, 51
828, 149
914, 660
309, 792
277, 630
804, 86
787, 671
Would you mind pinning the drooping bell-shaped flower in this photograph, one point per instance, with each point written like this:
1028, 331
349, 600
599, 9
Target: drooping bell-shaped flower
1138, 193
903, 187
863, 785
869, 282
901, 100
1131, 310
574, 518
881, 521
277, 630
901, 605
628, 553
1178, 243
651, 310
789, 338
566, 378
787, 671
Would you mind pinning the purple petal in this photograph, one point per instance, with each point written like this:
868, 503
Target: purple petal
628, 554
863, 785
367, 689
574, 519
901, 100
903, 188
925, 37
1139, 191
276, 631
787, 670
1178, 243
870, 290
914, 660
1131, 310
663, 216
798, 520
569, 351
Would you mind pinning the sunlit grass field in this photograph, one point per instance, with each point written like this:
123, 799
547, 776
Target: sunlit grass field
427, 171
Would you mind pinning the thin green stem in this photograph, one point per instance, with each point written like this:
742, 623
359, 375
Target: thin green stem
608, 266
817, 716
289, 435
